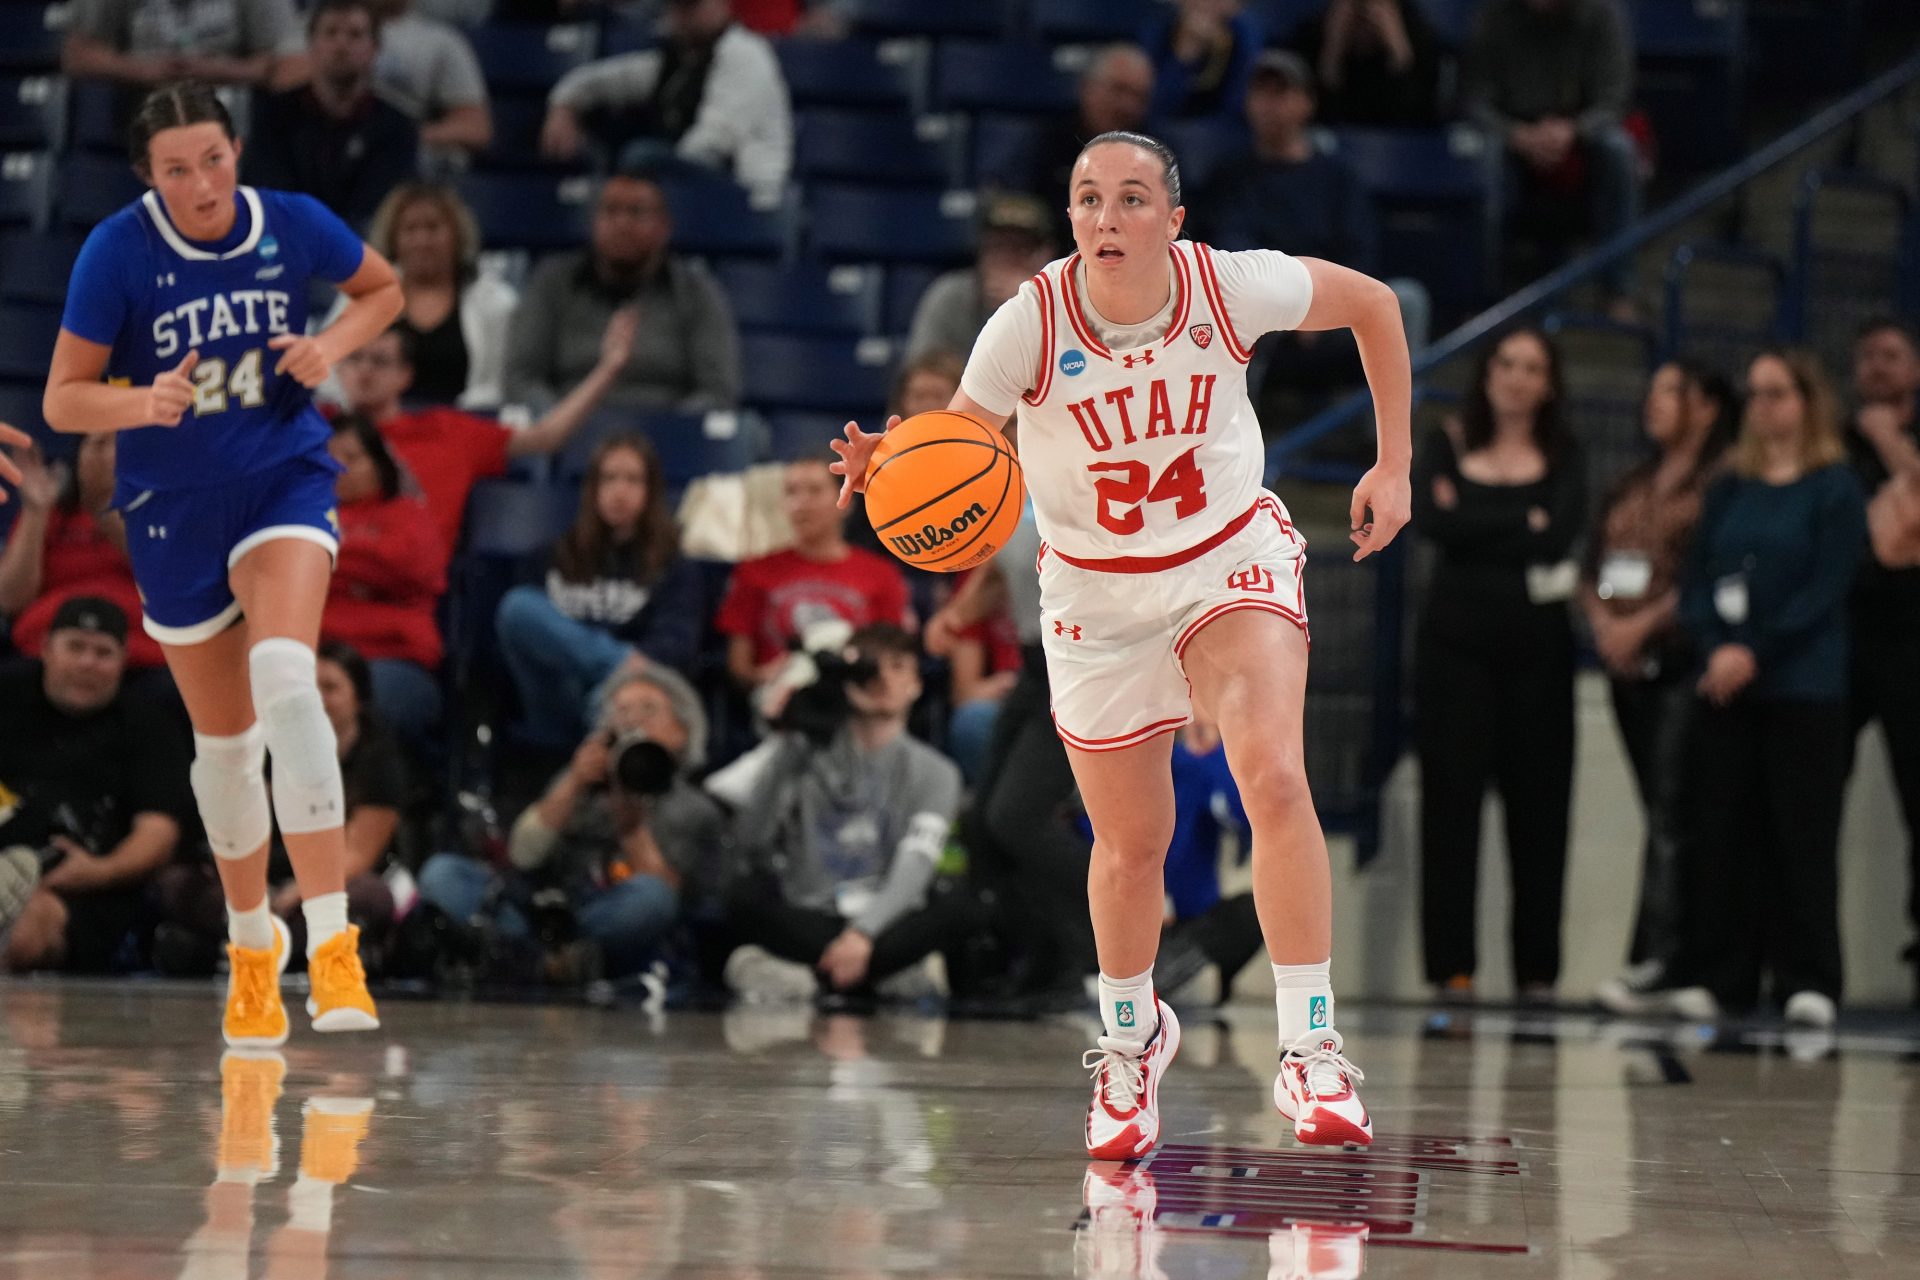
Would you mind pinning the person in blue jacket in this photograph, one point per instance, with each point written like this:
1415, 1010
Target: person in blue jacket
185, 330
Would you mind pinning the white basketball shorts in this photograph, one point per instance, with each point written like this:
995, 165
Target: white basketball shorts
1114, 639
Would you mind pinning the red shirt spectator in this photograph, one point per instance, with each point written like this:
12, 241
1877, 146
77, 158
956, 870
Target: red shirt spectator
772, 599
390, 574
59, 549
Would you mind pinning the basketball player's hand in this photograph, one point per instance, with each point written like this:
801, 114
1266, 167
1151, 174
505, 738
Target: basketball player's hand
302, 358
171, 393
1730, 668
855, 452
846, 958
1386, 495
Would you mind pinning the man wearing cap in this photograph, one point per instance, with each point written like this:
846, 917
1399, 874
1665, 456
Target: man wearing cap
1015, 241
94, 785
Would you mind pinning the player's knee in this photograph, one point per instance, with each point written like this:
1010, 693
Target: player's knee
1275, 787
306, 766
1135, 851
229, 785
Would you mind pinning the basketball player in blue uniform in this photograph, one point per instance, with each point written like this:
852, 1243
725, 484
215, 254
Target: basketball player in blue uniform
185, 331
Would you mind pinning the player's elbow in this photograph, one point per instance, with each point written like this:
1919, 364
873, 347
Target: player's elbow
58, 407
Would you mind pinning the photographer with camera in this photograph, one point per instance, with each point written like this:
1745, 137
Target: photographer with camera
841, 818
93, 786
620, 839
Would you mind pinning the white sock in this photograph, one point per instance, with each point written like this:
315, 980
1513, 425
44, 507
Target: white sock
1127, 1008
326, 918
310, 1205
252, 929
1303, 997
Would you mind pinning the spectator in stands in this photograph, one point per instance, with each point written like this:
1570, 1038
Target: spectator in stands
446, 450
1015, 240
458, 314
428, 69
387, 580
1630, 590
1883, 441
686, 354
68, 542
614, 596
626, 862
333, 139
373, 773
1202, 55
1501, 493
1550, 82
1116, 91
840, 842
771, 600
96, 784
712, 95
1379, 63
1765, 600
141, 43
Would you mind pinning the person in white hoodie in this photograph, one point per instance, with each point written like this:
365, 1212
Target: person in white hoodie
711, 94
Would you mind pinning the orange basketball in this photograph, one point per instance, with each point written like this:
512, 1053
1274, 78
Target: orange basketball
944, 491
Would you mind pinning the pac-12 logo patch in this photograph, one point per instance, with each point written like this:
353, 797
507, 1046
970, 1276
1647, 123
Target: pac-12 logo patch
1123, 1012
269, 247
1316, 1012
1073, 362
1202, 335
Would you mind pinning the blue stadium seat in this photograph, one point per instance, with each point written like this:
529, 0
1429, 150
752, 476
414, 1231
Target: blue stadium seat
528, 210
850, 73
872, 146
904, 286
1431, 188
691, 445
91, 188
34, 268
1089, 21
794, 436
1279, 19
822, 374
20, 407
32, 112
27, 331
1691, 78
711, 215
1003, 149
517, 55
507, 519
1452, 20
980, 18
803, 298
517, 118
865, 223
970, 75
93, 118
30, 36
25, 180
1201, 146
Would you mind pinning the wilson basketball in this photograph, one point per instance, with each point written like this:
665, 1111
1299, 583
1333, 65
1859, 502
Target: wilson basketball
944, 491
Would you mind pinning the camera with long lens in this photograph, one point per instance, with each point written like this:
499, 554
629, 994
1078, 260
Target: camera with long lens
819, 706
638, 765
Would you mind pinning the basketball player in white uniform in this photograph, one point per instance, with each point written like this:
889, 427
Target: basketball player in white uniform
1169, 575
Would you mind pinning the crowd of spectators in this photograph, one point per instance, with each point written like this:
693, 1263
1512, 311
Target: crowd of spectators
1753, 584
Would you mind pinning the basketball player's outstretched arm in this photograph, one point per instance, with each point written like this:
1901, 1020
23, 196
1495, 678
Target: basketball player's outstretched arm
857, 449
1346, 299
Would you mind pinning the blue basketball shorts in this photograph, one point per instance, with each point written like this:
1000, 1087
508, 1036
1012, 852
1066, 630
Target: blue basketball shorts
183, 542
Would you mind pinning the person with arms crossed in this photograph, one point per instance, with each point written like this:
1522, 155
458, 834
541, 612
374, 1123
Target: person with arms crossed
1169, 576
185, 330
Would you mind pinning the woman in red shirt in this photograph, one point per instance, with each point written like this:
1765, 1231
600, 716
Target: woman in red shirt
66, 543
389, 579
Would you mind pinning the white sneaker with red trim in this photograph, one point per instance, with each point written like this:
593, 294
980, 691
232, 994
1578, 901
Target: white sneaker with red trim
1123, 1120
1315, 1090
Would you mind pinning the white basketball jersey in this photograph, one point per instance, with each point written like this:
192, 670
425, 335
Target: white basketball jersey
1134, 456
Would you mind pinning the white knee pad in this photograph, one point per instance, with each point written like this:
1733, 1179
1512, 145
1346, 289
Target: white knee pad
229, 783
306, 766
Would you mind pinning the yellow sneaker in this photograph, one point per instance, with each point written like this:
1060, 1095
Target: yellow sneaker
331, 1135
340, 1001
249, 1086
256, 1019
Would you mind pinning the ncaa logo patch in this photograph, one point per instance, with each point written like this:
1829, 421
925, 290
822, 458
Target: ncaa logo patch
1316, 1012
269, 247
1123, 1012
1202, 335
1073, 362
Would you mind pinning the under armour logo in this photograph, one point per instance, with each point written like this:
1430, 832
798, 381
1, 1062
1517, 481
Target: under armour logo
1070, 632
1254, 579
1141, 359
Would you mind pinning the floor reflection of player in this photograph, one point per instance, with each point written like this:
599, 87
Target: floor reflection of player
333, 1125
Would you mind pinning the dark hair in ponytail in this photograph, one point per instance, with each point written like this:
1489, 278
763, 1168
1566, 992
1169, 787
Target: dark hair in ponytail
172, 106
1169, 163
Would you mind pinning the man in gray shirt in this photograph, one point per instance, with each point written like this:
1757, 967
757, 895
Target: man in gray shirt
841, 841
1015, 241
429, 70
1550, 81
686, 354
146, 42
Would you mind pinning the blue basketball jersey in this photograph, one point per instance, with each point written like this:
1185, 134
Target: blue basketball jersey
152, 295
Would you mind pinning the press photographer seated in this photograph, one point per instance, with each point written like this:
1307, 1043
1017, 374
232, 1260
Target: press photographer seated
841, 818
620, 839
